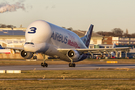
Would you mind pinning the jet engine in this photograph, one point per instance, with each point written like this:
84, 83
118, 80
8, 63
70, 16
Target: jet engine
26, 55
73, 54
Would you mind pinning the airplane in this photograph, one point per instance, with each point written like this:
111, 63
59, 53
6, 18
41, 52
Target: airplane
49, 39
4, 51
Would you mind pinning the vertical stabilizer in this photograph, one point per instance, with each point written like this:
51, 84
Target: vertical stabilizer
87, 37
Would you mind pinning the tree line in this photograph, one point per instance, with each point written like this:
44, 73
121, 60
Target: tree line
116, 32
7, 26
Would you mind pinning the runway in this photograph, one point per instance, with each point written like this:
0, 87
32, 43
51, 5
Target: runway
65, 67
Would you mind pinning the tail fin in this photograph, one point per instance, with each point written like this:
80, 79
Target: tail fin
87, 37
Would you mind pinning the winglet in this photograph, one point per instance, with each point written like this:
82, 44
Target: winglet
87, 37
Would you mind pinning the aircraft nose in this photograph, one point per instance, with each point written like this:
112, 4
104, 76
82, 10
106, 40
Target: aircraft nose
38, 32
29, 46
35, 47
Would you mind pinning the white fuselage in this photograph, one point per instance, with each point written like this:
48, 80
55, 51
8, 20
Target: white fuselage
44, 37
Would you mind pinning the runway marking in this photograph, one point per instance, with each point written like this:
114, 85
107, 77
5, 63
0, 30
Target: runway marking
111, 61
2, 71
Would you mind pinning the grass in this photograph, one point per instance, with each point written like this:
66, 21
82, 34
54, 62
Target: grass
70, 84
67, 85
24, 62
72, 74
103, 61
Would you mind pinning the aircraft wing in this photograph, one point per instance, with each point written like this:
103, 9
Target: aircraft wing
14, 48
93, 50
9, 49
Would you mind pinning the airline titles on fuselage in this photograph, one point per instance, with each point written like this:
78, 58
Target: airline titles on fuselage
64, 39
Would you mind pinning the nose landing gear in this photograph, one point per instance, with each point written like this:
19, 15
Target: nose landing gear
44, 64
34, 57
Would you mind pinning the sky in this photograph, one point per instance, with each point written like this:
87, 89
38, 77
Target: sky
105, 15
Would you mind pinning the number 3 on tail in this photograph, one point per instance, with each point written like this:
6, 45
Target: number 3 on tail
32, 30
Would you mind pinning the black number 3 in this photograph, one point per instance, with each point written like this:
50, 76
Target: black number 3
32, 30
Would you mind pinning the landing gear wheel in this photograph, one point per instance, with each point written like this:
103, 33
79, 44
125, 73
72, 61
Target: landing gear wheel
34, 57
44, 64
71, 64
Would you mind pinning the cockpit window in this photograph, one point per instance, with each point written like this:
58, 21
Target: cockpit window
29, 43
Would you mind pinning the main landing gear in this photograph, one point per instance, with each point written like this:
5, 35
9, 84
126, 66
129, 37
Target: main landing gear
44, 64
71, 64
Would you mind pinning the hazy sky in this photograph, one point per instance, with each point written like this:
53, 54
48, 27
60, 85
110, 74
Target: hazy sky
78, 14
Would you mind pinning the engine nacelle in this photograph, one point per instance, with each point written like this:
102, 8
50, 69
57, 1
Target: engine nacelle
73, 54
26, 55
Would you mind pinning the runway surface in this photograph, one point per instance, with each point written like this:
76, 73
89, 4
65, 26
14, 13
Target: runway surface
65, 67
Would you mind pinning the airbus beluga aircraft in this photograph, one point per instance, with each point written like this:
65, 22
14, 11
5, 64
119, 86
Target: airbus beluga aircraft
48, 39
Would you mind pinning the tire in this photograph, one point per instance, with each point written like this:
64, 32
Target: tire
34, 57
71, 65
44, 64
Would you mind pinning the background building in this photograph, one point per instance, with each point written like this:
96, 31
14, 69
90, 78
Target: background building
115, 40
12, 37
107, 40
96, 39
126, 41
